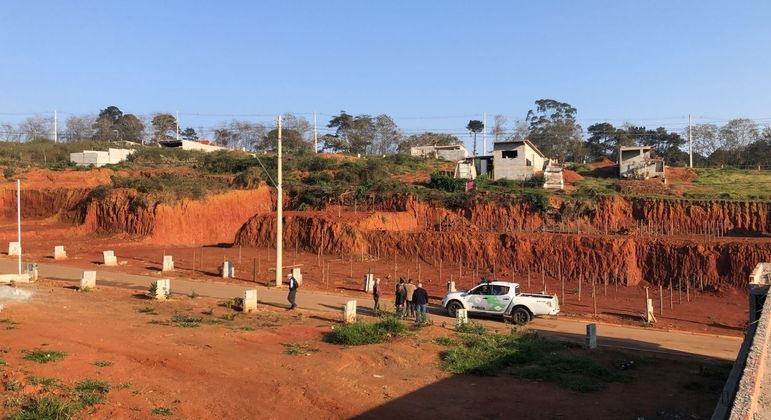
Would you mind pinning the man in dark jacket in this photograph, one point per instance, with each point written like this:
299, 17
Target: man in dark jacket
293, 285
401, 295
420, 302
376, 295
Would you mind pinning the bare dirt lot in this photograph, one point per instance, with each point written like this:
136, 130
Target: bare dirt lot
232, 365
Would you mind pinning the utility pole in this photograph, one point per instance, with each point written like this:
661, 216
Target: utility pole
315, 135
18, 218
484, 133
177, 119
56, 131
690, 143
279, 214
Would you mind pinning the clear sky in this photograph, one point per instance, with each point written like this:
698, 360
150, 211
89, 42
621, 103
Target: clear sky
430, 64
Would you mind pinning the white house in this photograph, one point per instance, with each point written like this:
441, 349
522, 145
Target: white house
202, 145
516, 159
453, 152
638, 163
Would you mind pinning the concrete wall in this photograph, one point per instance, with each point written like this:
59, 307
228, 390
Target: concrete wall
522, 167
100, 158
746, 392
194, 145
451, 153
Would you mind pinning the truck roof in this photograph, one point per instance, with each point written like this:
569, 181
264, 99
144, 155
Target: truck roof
499, 283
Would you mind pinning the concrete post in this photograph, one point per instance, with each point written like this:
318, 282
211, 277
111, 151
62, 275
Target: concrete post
349, 312
162, 289
228, 271
649, 317
450, 286
591, 336
250, 301
168, 263
297, 274
369, 282
87, 280
60, 253
32, 271
109, 258
14, 249
461, 317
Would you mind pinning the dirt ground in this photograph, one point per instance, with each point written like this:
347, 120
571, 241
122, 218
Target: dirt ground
724, 313
240, 367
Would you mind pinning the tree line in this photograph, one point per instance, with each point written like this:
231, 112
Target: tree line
551, 125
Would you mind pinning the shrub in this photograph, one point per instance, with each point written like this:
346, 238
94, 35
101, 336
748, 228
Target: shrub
538, 199
360, 333
250, 178
443, 182
41, 356
100, 192
471, 328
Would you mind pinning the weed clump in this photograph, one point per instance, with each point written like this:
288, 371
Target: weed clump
42, 356
529, 356
360, 333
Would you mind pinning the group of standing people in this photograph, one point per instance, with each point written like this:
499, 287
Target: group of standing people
411, 300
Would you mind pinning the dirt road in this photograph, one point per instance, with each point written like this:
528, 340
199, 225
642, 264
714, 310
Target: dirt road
637, 338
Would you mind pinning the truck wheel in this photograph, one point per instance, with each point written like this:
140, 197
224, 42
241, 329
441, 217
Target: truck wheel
520, 316
452, 308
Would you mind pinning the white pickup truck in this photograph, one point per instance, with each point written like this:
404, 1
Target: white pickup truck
504, 299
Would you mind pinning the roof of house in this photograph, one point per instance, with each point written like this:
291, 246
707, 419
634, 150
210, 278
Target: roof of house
527, 142
636, 148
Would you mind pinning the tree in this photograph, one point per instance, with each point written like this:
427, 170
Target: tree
35, 128
291, 141
352, 135
386, 135
164, 127
475, 127
225, 137
427, 139
113, 125
739, 133
248, 135
79, 128
130, 128
9, 133
298, 123
553, 129
705, 138
605, 139
189, 134
499, 127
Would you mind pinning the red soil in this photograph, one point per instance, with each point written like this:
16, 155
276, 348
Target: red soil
240, 368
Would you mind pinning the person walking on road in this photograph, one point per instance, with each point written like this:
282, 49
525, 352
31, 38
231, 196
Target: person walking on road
376, 295
400, 296
420, 300
410, 288
293, 285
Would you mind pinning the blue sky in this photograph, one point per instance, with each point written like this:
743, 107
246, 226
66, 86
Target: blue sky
430, 64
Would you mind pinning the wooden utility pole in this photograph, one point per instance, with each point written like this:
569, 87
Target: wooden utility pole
661, 300
279, 212
671, 297
594, 299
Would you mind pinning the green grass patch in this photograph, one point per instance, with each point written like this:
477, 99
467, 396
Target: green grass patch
228, 317
185, 321
162, 411
444, 341
9, 323
149, 310
44, 356
471, 328
298, 349
529, 356
247, 328
45, 408
47, 383
91, 392
102, 363
360, 333
730, 183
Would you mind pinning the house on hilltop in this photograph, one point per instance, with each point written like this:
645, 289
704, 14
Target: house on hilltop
519, 160
639, 163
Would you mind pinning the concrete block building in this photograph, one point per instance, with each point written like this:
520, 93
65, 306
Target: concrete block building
100, 158
639, 163
517, 159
